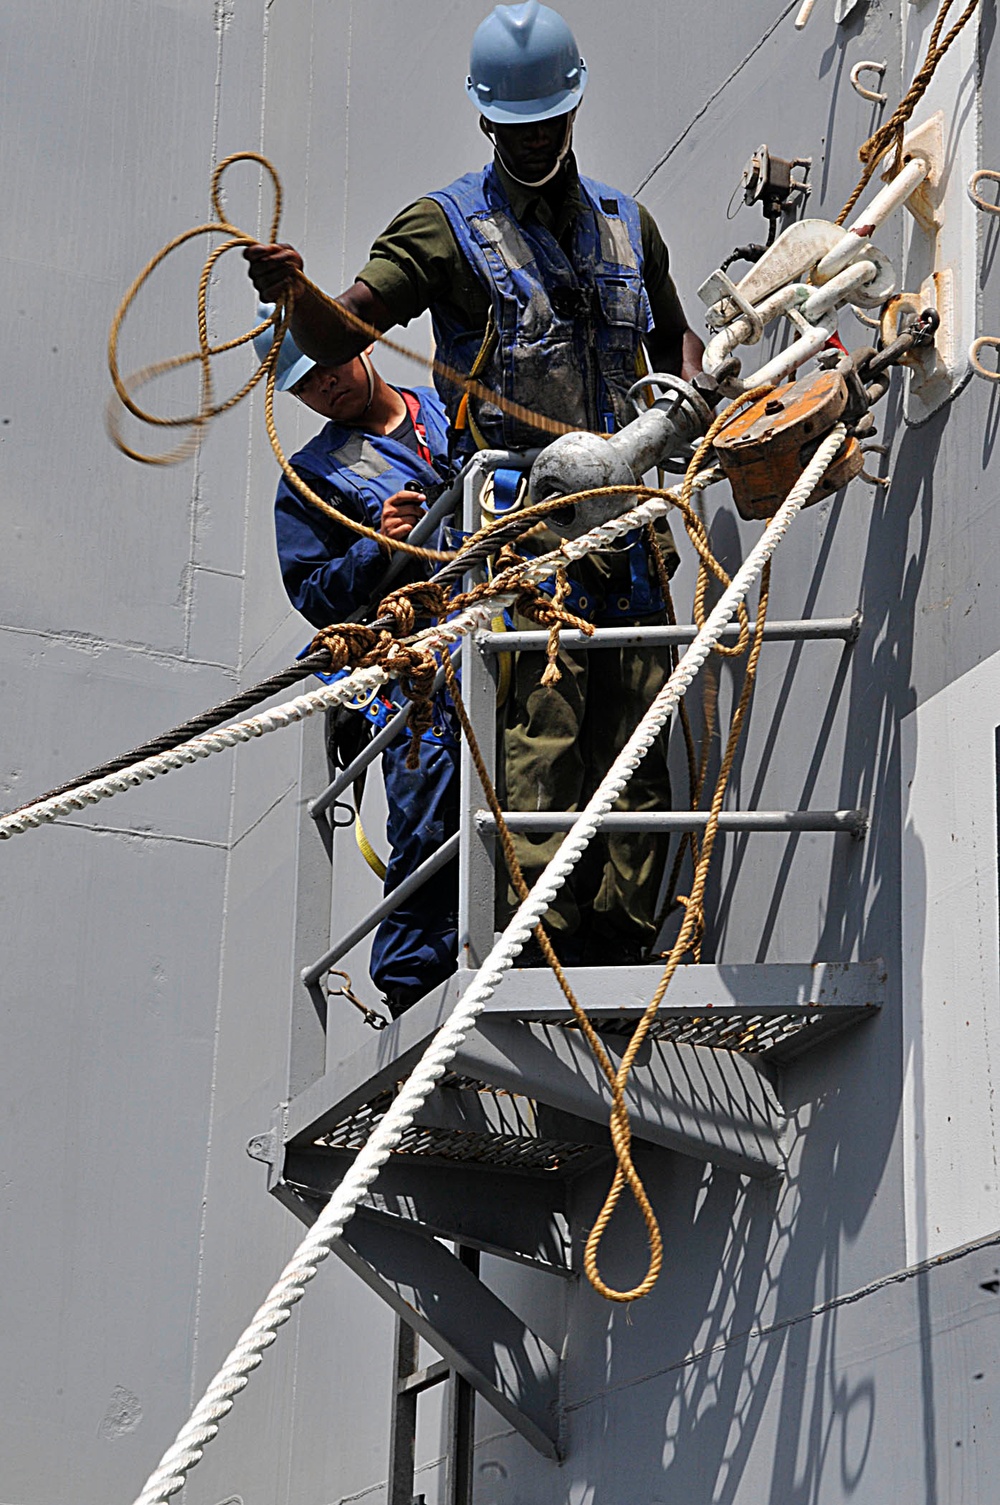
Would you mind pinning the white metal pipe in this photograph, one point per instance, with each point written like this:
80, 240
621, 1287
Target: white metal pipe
835, 293
855, 238
721, 346
848, 248
789, 360
842, 629
891, 196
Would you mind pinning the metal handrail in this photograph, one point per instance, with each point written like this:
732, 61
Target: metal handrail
845, 629
854, 821
444, 854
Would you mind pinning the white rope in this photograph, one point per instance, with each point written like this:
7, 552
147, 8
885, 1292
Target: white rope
218, 1400
361, 681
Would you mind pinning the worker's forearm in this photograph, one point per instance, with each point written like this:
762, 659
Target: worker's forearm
329, 339
692, 352
677, 351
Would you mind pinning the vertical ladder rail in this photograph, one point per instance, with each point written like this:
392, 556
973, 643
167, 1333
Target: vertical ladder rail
477, 858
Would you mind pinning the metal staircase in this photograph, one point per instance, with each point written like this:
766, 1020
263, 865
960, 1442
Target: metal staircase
490, 1163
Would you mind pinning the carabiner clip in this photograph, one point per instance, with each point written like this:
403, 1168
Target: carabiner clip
977, 365
376, 1021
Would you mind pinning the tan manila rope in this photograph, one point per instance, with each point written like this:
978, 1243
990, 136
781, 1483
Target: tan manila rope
889, 136
620, 1140
698, 762
693, 925
688, 938
280, 321
208, 408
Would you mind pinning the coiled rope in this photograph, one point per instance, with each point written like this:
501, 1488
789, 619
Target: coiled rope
217, 1402
208, 408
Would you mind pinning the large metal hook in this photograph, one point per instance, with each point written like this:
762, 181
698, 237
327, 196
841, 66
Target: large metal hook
977, 199
866, 66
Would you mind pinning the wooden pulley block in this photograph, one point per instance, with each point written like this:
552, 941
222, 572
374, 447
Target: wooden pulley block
765, 449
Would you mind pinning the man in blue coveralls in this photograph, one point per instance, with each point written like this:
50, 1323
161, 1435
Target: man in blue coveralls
547, 285
380, 451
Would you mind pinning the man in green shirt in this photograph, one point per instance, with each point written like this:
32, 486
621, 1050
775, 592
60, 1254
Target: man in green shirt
546, 286
419, 262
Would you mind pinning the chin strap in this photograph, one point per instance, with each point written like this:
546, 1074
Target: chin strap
370, 373
560, 159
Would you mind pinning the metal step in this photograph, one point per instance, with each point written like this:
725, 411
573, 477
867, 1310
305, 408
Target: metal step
491, 1159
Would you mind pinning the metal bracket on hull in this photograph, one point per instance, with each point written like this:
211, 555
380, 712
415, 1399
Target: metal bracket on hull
441, 1299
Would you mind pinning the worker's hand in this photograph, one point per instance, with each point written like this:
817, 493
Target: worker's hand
401, 513
272, 269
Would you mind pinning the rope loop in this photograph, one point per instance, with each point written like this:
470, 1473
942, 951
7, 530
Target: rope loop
552, 674
196, 422
423, 598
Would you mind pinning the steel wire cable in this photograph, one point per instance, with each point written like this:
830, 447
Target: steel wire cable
475, 549
125, 772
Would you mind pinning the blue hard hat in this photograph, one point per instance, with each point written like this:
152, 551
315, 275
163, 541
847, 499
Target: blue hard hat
292, 364
525, 65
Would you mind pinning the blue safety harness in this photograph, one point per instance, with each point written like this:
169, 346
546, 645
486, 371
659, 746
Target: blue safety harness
568, 321
370, 468
568, 327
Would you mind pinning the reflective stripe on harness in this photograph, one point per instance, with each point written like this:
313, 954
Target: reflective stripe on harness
412, 402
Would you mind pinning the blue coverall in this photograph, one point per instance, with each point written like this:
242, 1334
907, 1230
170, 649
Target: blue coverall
328, 572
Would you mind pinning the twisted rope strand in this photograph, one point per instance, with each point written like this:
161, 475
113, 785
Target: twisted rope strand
203, 1425
480, 602
890, 134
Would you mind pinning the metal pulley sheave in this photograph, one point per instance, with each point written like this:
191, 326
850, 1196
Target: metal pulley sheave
765, 449
662, 436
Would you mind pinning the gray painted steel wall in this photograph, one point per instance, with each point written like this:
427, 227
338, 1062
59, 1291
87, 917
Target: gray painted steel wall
151, 944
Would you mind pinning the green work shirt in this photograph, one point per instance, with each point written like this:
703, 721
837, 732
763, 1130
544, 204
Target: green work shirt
416, 261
